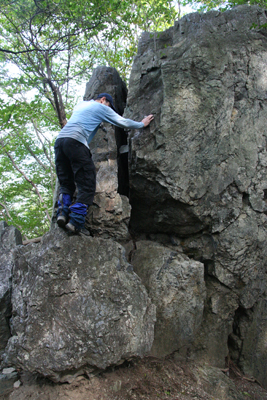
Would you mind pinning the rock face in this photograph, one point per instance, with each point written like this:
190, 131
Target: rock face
110, 214
82, 307
10, 237
197, 241
176, 286
198, 173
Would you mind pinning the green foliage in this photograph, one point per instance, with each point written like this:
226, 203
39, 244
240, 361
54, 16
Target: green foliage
149, 14
26, 166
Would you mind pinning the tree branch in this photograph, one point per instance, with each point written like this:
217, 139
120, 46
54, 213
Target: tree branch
16, 52
6, 209
30, 181
45, 167
44, 148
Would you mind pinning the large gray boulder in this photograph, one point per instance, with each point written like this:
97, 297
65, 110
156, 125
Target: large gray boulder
198, 173
176, 286
10, 237
109, 215
77, 307
217, 384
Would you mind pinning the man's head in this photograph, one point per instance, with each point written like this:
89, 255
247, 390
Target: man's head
106, 99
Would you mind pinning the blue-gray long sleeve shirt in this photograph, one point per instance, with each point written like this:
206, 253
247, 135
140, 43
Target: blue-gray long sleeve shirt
86, 118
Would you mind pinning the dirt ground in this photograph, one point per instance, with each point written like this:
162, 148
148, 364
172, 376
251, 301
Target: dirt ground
148, 378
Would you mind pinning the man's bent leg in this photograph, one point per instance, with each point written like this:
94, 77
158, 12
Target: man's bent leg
63, 166
66, 179
85, 180
86, 190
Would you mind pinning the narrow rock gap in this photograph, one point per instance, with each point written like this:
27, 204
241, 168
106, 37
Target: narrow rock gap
245, 200
242, 320
122, 147
122, 159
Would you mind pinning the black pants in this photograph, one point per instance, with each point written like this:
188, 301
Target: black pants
74, 165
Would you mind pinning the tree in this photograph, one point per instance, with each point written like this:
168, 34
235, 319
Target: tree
27, 168
55, 44
207, 5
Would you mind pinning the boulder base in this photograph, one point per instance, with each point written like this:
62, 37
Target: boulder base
77, 307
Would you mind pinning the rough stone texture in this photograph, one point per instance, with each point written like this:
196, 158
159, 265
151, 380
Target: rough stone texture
110, 214
217, 384
198, 173
10, 237
176, 286
8, 377
247, 323
77, 307
197, 185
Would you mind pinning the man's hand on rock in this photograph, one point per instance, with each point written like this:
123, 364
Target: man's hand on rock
146, 121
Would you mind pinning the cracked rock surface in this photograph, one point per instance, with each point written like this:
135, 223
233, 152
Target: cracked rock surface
10, 237
176, 286
198, 172
198, 192
77, 307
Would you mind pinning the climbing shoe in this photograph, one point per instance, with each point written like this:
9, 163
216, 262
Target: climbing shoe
61, 221
72, 229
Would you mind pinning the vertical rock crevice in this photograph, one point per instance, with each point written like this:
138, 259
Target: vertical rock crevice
200, 168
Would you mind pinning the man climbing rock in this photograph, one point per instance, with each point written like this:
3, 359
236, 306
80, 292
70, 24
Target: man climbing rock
74, 164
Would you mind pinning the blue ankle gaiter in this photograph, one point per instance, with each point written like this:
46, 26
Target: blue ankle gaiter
77, 215
79, 208
63, 203
64, 200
